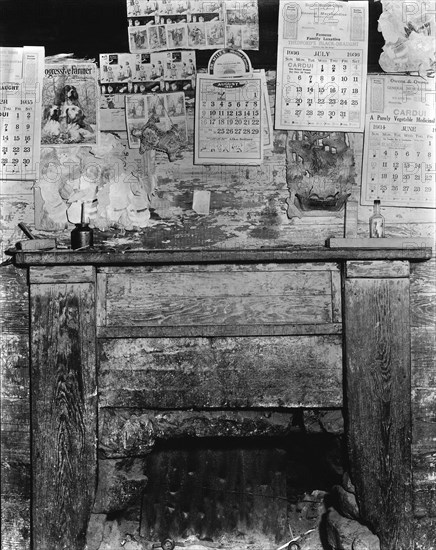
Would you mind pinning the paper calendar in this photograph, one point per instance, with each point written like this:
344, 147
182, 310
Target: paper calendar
321, 65
399, 159
228, 121
20, 111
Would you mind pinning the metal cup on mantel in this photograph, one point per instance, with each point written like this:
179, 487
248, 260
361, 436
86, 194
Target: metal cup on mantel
82, 234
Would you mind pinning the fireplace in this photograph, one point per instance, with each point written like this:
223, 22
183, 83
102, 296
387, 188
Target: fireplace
145, 362
243, 485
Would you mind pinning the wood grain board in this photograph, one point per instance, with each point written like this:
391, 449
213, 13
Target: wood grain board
221, 372
377, 336
218, 297
63, 413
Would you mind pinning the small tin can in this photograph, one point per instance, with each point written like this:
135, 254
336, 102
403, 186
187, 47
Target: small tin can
81, 236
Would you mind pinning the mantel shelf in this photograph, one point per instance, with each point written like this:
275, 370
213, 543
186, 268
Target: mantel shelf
108, 257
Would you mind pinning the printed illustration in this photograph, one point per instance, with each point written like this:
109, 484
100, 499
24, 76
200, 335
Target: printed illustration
69, 104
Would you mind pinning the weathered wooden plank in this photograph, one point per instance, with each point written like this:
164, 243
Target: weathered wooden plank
419, 233
133, 432
63, 413
350, 229
336, 285
218, 330
377, 340
424, 484
218, 268
423, 276
101, 286
377, 269
424, 419
425, 528
221, 372
61, 274
423, 295
233, 310
14, 301
423, 310
383, 244
15, 209
423, 346
15, 523
284, 254
399, 215
217, 284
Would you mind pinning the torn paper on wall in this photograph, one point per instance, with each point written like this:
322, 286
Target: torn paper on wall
108, 178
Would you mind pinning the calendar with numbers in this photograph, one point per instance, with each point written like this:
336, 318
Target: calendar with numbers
399, 158
20, 112
228, 120
321, 65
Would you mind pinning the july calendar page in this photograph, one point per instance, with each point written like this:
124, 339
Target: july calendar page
321, 65
399, 158
20, 112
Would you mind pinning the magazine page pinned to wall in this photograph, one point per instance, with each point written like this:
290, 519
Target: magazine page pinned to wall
70, 104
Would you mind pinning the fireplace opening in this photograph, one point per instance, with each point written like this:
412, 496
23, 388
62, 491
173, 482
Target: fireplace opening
242, 487
240, 493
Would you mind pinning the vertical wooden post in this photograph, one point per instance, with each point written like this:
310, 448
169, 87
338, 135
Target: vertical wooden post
377, 351
63, 393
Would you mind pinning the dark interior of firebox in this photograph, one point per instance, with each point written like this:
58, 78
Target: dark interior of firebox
252, 485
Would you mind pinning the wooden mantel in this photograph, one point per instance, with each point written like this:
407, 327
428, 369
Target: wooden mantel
364, 312
291, 254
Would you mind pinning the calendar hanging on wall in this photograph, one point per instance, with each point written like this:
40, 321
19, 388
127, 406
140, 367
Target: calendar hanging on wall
20, 112
399, 157
321, 65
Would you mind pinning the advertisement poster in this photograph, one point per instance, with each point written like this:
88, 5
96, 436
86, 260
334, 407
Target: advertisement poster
321, 65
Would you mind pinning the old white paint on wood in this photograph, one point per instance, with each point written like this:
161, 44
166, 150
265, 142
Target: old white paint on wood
378, 270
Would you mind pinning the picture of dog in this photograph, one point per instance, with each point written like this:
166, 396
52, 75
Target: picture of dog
77, 128
69, 99
51, 121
